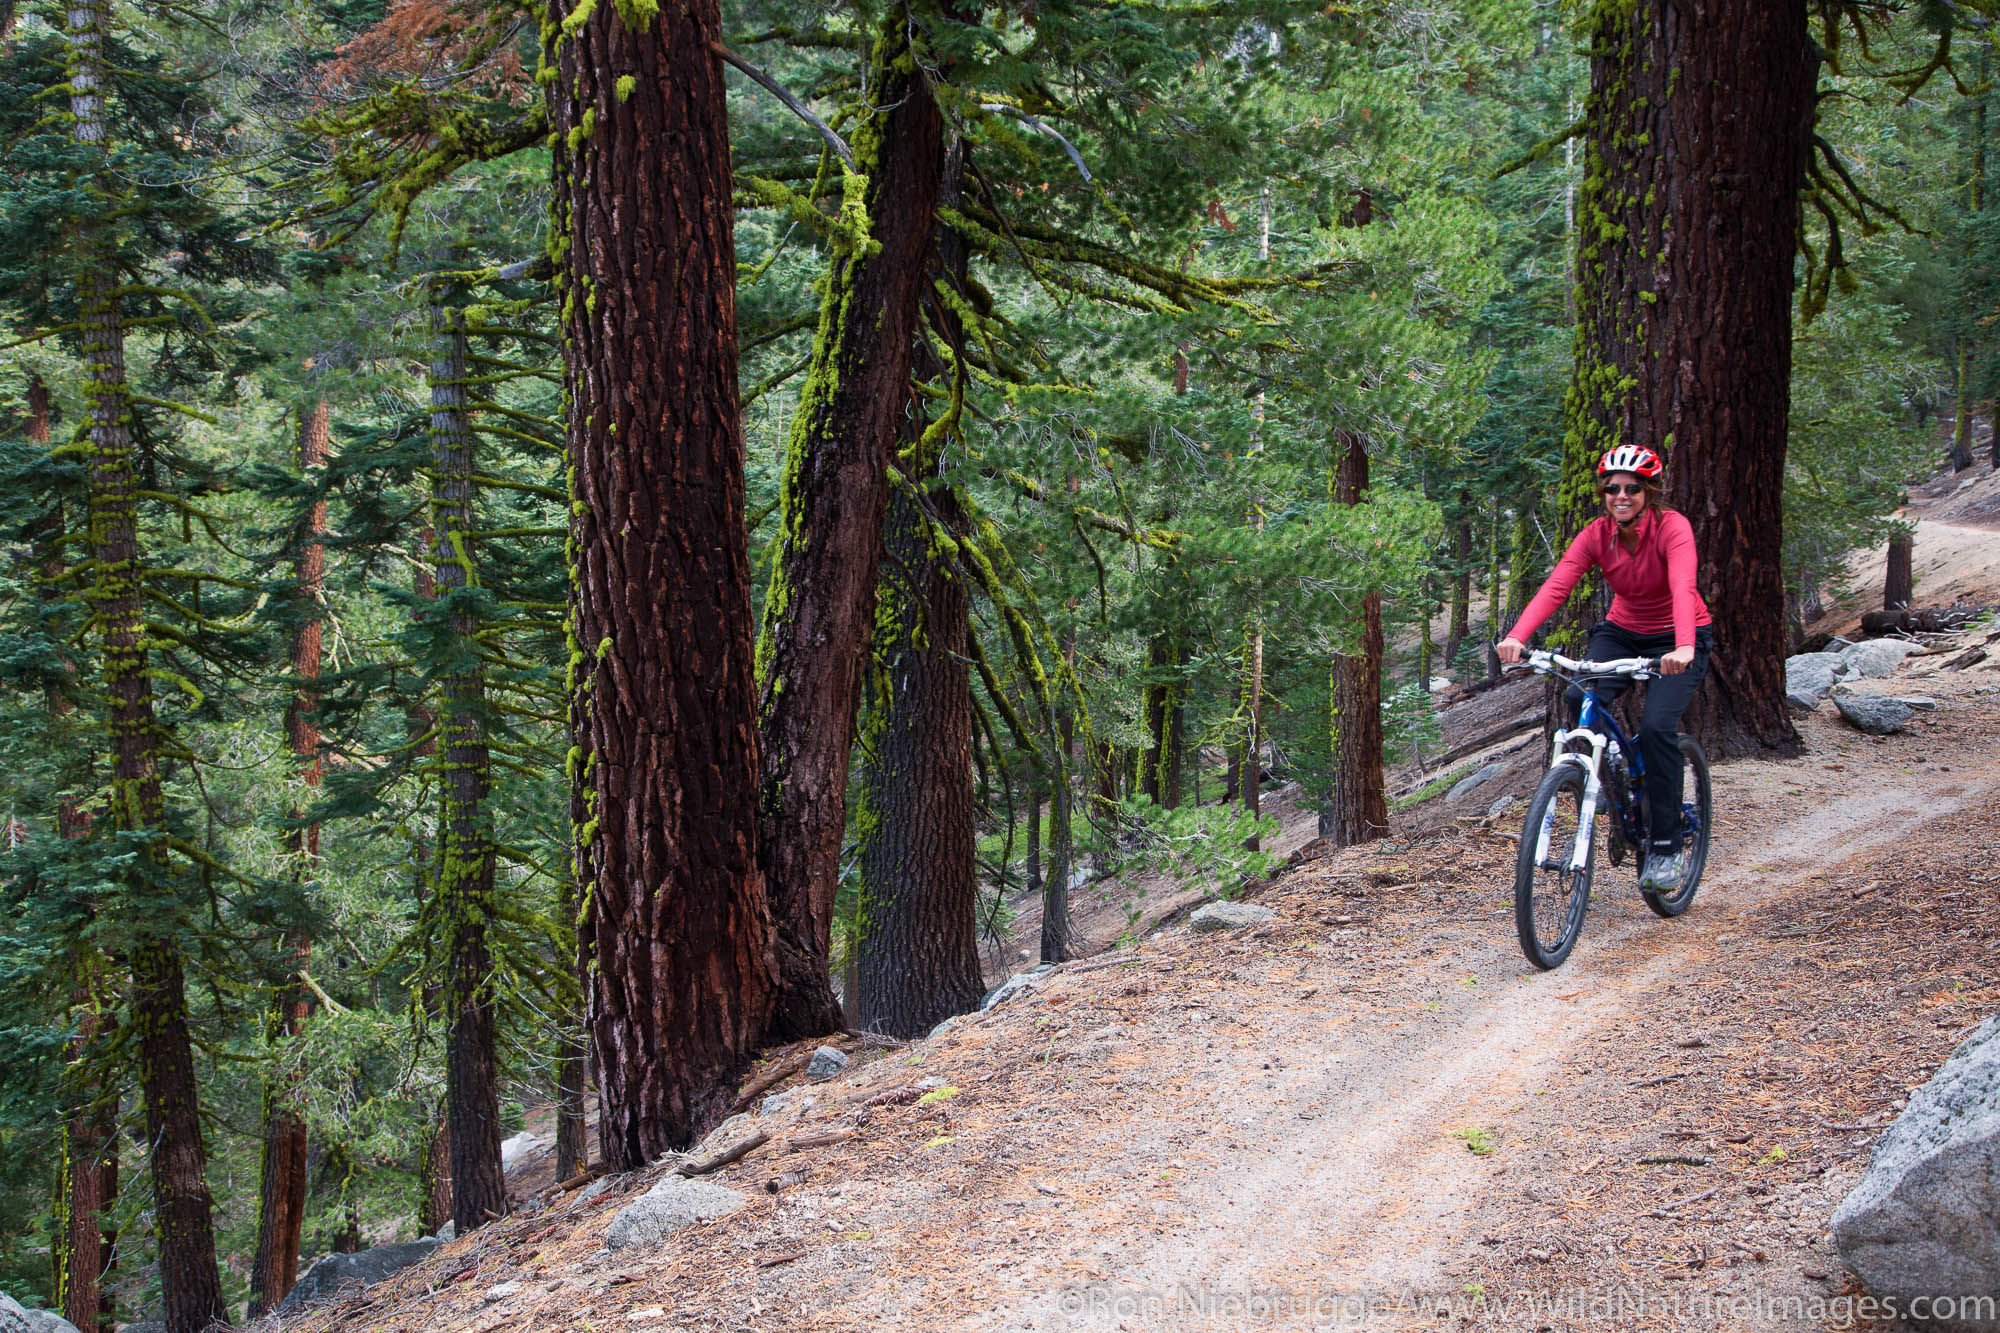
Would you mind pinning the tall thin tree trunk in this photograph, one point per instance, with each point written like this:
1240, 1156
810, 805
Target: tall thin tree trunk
1166, 719
1253, 758
1034, 884
87, 1181
1461, 582
281, 1201
1523, 568
677, 931
1960, 449
189, 1279
1699, 114
819, 609
1359, 810
1061, 847
463, 900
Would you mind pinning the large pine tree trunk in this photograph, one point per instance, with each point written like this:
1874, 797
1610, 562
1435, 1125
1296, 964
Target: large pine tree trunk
1359, 810
819, 610
463, 899
677, 933
190, 1282
281, 1196
1699, 114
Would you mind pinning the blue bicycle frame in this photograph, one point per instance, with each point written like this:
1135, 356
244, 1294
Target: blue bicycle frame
1598, 728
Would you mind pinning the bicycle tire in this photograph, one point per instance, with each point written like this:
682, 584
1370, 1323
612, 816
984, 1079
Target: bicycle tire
1700, 813
1549, 904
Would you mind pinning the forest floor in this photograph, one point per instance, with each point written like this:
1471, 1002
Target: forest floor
1369, 1111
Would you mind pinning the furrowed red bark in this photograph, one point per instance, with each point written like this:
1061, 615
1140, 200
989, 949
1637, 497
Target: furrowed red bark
676, 933
463, 898
1699, 116
1359, 810
281, 1198
818, 613
190, 1282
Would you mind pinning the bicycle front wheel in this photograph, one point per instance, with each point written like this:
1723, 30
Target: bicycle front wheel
1550, 897
1697, 814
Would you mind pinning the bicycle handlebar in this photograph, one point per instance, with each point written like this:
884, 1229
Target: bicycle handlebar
1542, 661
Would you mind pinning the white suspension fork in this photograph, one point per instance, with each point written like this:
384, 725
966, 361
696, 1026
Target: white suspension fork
1593, 786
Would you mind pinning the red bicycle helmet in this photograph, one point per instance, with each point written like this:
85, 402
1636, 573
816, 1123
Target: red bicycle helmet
1634, 458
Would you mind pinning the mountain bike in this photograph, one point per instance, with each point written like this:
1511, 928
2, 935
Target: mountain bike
1596, 771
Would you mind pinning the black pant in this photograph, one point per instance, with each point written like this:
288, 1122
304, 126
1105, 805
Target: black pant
1659, 723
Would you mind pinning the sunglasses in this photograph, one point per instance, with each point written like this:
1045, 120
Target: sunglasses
1630, 489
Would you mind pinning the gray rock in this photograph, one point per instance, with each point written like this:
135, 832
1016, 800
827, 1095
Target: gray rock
779, 1101
1499, 807
1923, 703
1479, 779
1875, 658
1802, 703
516, 1148
945, 1026
448, 1232
1876, 714
365, 1269
673, 1203
826, 1062
1228, 916
593, 1189
1014, 985
1811, 675
17, 1318
500, 1291
1925, 1219
725, 1133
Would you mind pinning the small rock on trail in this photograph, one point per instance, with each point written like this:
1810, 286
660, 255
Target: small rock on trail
1876, 714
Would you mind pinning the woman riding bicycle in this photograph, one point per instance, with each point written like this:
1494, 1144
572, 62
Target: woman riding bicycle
1647, 554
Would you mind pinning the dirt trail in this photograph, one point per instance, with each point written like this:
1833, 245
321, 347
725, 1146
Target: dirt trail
1375, 1196
1370, 1109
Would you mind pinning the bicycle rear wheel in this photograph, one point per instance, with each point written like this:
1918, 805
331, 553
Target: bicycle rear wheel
1697, 817
1549, 896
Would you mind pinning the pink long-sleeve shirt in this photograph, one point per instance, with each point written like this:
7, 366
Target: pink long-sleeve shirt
1652, 587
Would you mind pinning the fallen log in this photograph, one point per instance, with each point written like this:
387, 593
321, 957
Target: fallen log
771, 1078
735, 1152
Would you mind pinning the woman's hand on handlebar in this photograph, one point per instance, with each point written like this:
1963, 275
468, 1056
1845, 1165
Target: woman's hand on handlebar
1511, 651
1675, 662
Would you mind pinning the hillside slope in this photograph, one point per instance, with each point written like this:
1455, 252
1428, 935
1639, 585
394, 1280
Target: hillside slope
1371, 1097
